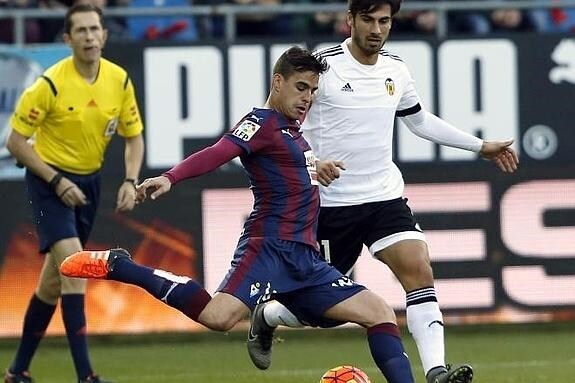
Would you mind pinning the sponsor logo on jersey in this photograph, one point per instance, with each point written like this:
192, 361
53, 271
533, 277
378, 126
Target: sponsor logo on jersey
246, 130
390, 86
347, 88
310, 165
33, 114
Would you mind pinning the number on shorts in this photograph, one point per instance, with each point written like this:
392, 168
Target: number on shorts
326, 252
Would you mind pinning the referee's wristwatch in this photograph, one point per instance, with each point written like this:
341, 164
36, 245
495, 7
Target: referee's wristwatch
132, 181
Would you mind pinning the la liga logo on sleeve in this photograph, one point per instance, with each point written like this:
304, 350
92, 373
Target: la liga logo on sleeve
246, 130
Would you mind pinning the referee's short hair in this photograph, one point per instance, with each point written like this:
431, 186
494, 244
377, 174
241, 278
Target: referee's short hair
78, 8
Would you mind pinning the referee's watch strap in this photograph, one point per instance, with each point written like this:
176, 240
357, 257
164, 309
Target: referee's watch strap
133, 181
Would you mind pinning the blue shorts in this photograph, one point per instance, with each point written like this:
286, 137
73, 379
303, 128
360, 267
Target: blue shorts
292, 273
56, 221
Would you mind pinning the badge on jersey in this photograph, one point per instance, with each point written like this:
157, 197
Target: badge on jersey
310, 165
246, 130
390, 86
111, 127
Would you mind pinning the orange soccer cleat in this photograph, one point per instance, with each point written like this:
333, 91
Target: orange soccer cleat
91, 264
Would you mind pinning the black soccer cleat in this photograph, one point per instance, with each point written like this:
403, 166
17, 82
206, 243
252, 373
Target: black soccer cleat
21, 377
260, 337
449, 374
93, 378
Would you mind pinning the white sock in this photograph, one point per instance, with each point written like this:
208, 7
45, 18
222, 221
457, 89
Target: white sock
276, 314
425, 323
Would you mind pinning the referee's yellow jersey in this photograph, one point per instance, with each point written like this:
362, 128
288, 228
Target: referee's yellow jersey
73, 121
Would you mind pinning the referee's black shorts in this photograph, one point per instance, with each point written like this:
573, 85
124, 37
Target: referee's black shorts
56, 221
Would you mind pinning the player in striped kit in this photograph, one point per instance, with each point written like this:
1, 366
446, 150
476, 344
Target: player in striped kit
277, 256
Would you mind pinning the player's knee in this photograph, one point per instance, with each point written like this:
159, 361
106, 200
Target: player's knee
217, 320
218, 323
378, 311
422, 270
415, 271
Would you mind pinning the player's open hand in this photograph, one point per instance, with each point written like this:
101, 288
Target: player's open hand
328, 171
153, 188
501, 153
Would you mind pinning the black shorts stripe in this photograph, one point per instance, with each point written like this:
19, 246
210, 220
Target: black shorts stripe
126, 81
409, 111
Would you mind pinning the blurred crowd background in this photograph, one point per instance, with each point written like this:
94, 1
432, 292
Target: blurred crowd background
190, 28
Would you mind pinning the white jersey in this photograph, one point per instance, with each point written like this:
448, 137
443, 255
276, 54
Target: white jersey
352, 119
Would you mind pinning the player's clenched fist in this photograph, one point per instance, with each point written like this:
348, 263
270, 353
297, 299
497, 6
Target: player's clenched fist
328, 171
152, 187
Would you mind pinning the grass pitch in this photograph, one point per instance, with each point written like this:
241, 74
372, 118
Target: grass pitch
499, 354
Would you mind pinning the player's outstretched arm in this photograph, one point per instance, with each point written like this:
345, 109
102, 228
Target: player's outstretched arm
152, 187
501, 153
328, 171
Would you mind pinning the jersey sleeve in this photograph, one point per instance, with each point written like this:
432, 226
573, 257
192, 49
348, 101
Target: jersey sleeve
32, 107
250, 135
130, 120
409, 102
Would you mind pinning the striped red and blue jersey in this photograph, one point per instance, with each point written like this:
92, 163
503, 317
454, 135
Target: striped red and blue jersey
281, 168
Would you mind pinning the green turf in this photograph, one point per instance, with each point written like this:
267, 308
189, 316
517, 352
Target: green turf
499, 354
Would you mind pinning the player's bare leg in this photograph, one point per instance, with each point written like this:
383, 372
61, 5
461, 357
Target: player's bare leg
409, 261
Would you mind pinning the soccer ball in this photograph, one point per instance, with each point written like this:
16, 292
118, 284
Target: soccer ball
344, 374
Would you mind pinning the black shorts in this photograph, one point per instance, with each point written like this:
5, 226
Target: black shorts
56, 221
343, 230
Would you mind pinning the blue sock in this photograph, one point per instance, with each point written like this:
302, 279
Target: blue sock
388, 353
127, 271
181, 293
75, 324
36, 321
